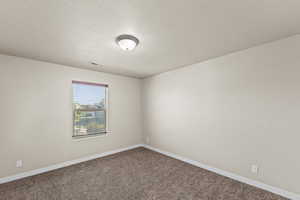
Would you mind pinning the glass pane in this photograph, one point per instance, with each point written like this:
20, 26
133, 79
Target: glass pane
89, 122
88, 96
89, 109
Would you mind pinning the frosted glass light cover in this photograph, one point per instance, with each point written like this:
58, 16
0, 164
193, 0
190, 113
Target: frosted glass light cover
127, 44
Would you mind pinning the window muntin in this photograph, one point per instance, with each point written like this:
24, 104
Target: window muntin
89, 108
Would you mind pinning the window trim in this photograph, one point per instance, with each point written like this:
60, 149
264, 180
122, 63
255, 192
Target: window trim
106, 110
90, 83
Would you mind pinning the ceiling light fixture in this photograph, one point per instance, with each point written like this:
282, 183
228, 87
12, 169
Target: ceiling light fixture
127, 42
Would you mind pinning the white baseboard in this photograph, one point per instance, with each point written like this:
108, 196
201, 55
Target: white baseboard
64, 164
263, 186
242, 179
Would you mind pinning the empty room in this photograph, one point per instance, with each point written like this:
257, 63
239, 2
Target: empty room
150, 100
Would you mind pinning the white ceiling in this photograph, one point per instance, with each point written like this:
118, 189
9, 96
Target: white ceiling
172, 33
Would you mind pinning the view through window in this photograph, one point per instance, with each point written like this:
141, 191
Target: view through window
89, 108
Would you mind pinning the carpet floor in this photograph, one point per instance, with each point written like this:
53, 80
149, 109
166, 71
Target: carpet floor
138, 174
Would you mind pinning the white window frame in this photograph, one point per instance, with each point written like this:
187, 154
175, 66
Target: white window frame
106, 110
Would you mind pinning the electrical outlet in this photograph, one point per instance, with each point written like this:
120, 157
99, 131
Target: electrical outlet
254, 169
19, 163
147, 140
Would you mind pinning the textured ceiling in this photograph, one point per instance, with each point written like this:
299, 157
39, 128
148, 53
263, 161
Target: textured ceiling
172, 33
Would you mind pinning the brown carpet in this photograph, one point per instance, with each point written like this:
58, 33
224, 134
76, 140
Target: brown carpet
138, 174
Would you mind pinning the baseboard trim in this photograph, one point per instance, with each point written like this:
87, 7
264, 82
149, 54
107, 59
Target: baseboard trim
239, 178
254, 183
64, 164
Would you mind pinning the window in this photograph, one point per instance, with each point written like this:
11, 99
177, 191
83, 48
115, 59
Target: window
89, 108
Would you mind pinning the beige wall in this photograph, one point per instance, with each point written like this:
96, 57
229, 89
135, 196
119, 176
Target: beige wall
232, 112
36, 114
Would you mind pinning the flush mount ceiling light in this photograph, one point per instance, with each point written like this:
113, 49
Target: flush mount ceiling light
127, 42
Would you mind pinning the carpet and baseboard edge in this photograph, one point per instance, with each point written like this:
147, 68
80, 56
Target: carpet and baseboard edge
236, 177
239, 178
64, 164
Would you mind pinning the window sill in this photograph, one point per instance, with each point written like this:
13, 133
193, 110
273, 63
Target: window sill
88, 137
